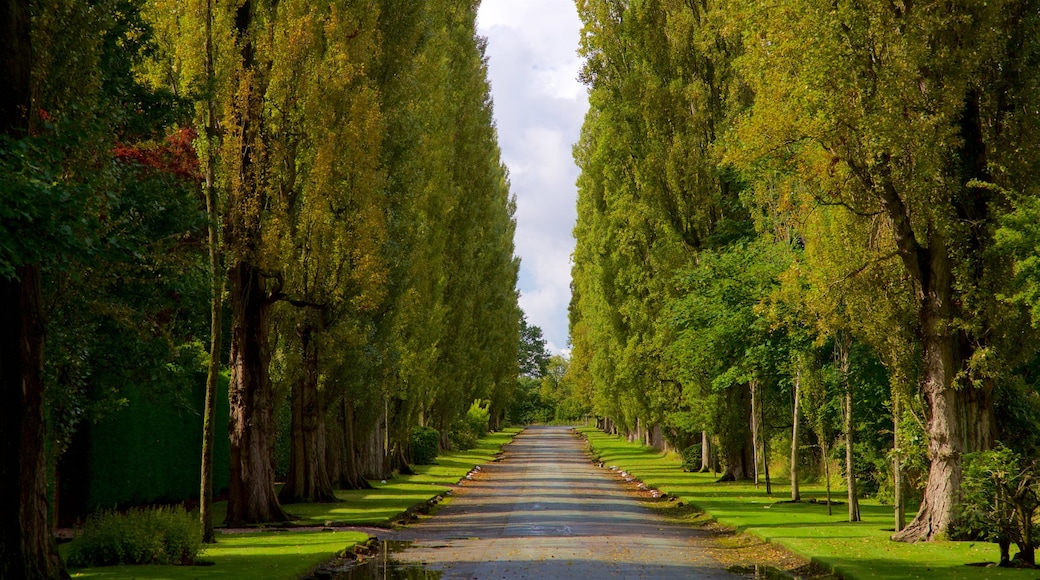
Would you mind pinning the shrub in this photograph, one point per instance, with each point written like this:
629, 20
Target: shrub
477, 418
475, 424
691, 458
1000, 495
165, 535
462, 440
424, 445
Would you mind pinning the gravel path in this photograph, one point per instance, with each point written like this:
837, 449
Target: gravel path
545, 512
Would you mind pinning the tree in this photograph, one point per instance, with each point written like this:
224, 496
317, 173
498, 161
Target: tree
534, 358
480, 333
252, 287
69, 95
178, 66
559, 393
725, 341
861, 114
662, 91
216, 277
325, 130
27, 548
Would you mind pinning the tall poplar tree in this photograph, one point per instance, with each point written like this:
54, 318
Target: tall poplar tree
651, 194
252, 286
325, 133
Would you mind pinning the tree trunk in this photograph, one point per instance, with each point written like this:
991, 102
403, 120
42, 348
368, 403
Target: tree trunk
796, 494
842, 354
945, 449
850, 465
308, 479
739, 455
657, 440
374, 455
401, 461
216, 298
335, 446
209, 417
27, 547
354, 476
1026, 550
765, 466
951, 408
756, 438
826, 472
495, 419
897, 469
251, 497
344, 470
706, 464
735, 439
1005, 552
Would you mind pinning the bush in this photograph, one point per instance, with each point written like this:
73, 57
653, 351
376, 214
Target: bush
165, 535
691, 458
462, 440
474, 425
424, 445
477, 418
1000, 496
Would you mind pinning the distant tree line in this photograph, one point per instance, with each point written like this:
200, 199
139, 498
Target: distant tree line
544, 392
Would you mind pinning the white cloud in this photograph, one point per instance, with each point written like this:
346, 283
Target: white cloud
539, 108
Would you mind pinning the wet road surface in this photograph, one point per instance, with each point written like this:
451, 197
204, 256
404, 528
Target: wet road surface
545, 512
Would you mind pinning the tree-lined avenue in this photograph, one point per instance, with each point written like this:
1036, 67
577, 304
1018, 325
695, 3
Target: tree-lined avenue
545, 511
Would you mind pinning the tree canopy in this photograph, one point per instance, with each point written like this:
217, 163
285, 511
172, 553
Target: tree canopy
763, 183
318, 182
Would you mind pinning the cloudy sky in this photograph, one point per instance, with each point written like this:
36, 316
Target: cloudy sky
539, 108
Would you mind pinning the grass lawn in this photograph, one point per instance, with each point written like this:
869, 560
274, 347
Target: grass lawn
373, 507
257, 556
857, 551
272, 555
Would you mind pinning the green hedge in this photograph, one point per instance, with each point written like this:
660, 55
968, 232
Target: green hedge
147, 452
424, 445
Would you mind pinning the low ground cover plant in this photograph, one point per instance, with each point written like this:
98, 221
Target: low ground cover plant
162, 535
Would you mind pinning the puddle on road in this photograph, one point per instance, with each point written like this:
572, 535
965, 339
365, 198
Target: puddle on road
382, 566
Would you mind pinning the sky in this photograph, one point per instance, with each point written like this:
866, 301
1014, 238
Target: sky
539, 108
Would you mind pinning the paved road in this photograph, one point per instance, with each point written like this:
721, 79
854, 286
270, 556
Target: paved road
546, 512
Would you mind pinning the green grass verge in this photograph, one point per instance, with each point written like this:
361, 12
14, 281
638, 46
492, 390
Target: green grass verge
273, 555
388, 500
854, 550
257, 556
